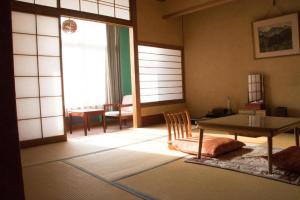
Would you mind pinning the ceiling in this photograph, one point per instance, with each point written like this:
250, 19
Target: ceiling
177, 8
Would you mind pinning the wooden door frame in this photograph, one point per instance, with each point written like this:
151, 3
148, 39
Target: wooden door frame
11, 182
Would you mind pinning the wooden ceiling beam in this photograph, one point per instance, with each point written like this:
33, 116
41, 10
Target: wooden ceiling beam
192, 9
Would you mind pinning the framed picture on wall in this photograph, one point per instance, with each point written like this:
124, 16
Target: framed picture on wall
276, 36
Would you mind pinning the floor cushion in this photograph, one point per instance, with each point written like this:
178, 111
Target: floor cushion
212, 146
288, 159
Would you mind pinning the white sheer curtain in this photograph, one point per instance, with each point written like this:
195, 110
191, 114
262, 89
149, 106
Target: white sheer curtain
84, 64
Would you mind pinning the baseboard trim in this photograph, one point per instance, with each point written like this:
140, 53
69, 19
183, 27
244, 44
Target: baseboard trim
153, 120
43, 141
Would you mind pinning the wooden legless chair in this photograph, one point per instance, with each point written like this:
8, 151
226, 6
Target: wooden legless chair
181, 139
179, 127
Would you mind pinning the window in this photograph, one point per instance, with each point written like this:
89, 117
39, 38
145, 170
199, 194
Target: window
37, 71
84, 63
112, 8
160, 74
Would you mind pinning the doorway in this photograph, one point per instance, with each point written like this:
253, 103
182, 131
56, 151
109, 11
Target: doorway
87, 68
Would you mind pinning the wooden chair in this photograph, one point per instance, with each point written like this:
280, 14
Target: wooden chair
122, 112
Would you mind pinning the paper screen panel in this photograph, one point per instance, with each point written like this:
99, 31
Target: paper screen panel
26, 87
28, 108
160, 77
160, 72
20, 19
25, 65
157, 71
47, 26
50, 86
51, 106
29, 129
50, 3
70, 4
155, 91
48, 46
106, 10
164, 84
155, 98
159, 51
49, 66
53, 126
122, 13
156, 64
24, 44
157, 57
89, 6
27, 1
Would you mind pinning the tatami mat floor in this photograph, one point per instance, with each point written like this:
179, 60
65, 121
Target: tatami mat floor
136, 164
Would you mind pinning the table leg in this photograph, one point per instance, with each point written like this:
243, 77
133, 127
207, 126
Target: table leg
200, 143
70, 123
88, 122
296, 132
270, 150
235, 136
85, 123
104, 122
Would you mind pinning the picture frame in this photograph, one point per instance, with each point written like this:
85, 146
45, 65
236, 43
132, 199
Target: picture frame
277, 36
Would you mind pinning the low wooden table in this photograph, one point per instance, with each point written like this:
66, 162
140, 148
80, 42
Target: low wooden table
85, 114
251, 126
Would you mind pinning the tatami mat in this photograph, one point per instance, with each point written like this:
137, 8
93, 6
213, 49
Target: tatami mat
179, 180
126, 161
86, 145
58, 181
138, 161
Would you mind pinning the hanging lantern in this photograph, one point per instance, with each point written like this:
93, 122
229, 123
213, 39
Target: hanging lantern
69, 26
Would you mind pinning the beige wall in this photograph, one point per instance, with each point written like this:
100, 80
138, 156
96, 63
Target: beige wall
189, 6
219, 56
152, 28
159, 109
172, 6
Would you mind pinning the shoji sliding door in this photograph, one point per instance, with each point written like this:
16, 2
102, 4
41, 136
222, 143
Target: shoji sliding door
38, 81
161, 74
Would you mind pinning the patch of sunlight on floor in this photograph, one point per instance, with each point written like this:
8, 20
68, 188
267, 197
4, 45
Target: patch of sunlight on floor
154, 147
120, 138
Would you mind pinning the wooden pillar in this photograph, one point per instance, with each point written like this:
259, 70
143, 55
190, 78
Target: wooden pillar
11, 182
135, 80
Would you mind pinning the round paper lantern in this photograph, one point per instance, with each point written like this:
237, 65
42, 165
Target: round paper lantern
69, 26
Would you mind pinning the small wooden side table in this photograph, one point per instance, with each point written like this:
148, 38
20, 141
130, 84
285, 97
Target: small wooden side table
85, 114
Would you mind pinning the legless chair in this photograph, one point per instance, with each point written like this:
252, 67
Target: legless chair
181, 139
180, 131
122, 111
180, 124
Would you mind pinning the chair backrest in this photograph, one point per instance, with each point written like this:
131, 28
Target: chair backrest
127, 99
179, 125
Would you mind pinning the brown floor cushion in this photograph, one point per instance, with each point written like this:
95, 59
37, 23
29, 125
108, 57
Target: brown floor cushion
212, 146
288, 159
